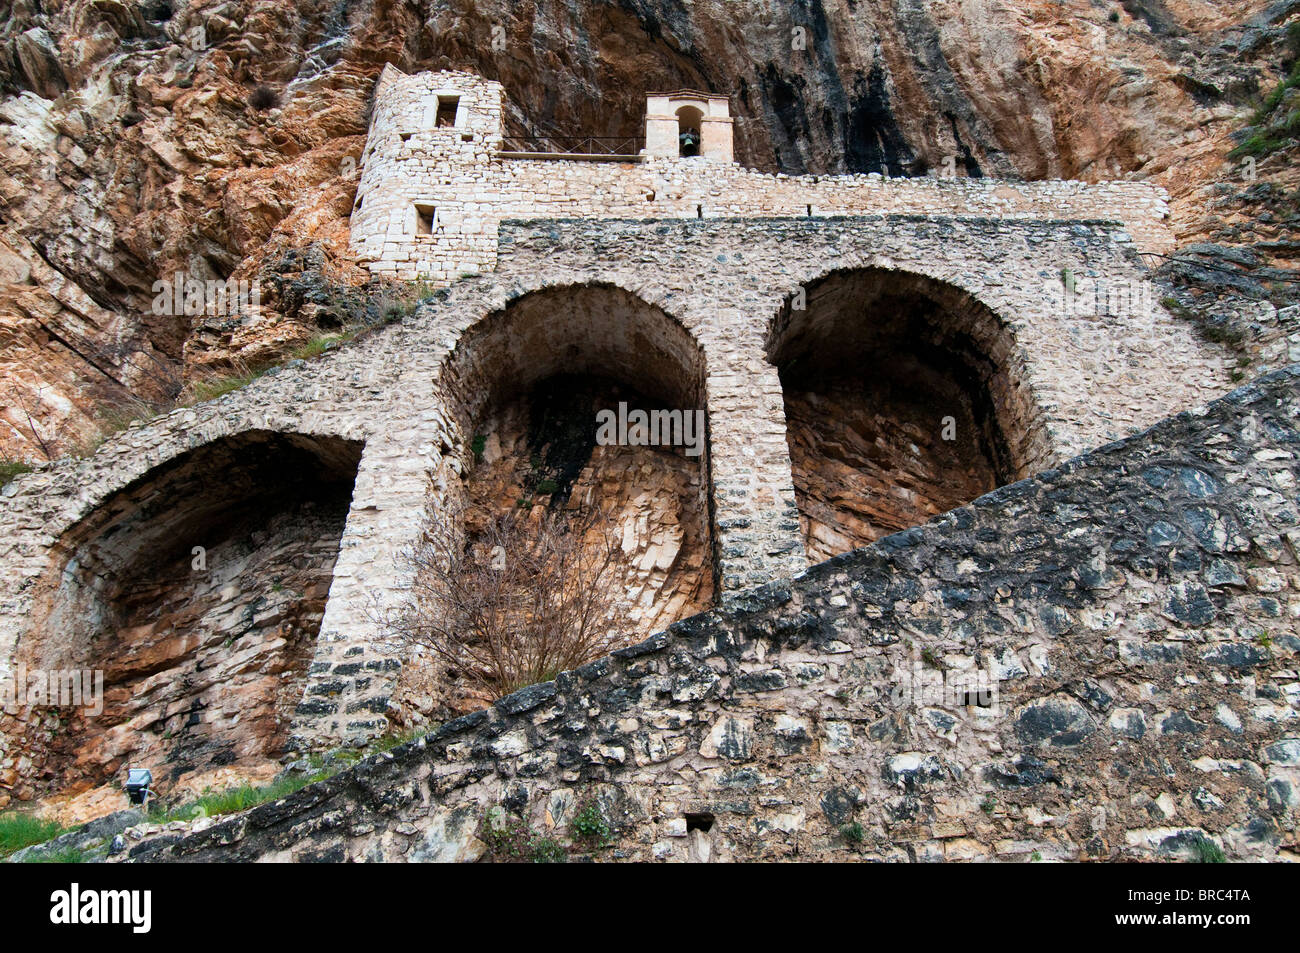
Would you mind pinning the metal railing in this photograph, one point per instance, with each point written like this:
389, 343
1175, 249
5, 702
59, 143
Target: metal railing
612, 146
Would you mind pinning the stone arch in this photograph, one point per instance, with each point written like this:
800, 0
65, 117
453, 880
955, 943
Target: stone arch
905, 396
690, 120
204, 652
522, 388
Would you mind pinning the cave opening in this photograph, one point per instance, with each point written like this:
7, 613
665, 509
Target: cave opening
198, 590
902, 401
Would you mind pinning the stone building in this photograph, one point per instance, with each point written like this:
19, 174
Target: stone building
867, 354
434, 191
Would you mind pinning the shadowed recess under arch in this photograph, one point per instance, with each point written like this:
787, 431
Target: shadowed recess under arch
525, 386
198, 589
904, 397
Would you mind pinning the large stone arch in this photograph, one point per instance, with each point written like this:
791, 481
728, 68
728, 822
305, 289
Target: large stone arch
198, 588
905, 396
579, 327
521, 389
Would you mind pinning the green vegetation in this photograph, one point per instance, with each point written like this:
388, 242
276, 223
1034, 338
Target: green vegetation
589, 827
1208, 852
19, 830
245, 796
1220, 334
395, 738
318, 345
1270, 129
65, 855
854, 834
1223, 334
547, 850
989, 805
234, 800
12, 468
213, 387
510, 840
415, 294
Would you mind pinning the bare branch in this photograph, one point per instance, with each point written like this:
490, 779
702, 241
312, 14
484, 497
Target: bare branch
522, 599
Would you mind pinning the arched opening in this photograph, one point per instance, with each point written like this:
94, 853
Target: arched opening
689, 122
530, 387
198, 590
902, 401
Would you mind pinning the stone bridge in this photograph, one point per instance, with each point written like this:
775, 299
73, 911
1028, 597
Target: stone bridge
280, 510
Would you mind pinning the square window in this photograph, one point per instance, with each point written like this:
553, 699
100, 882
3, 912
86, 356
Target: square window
447, 106
425, 216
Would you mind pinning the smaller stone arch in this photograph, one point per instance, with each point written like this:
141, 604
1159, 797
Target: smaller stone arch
690, 119
905, 396
197, 589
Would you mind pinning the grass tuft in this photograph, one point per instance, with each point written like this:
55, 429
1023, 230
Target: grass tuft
1208, 852
19, 830
65, 855
9, 469
241, 798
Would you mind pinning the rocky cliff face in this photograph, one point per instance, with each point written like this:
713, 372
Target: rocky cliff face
220, 138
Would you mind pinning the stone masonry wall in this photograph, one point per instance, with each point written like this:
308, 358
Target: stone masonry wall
1083, 378
1135, 608
461, 172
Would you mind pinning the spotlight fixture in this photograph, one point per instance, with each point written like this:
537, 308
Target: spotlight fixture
137, 785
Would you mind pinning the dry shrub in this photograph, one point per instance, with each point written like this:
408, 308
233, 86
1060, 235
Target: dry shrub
263, 98
529, 594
